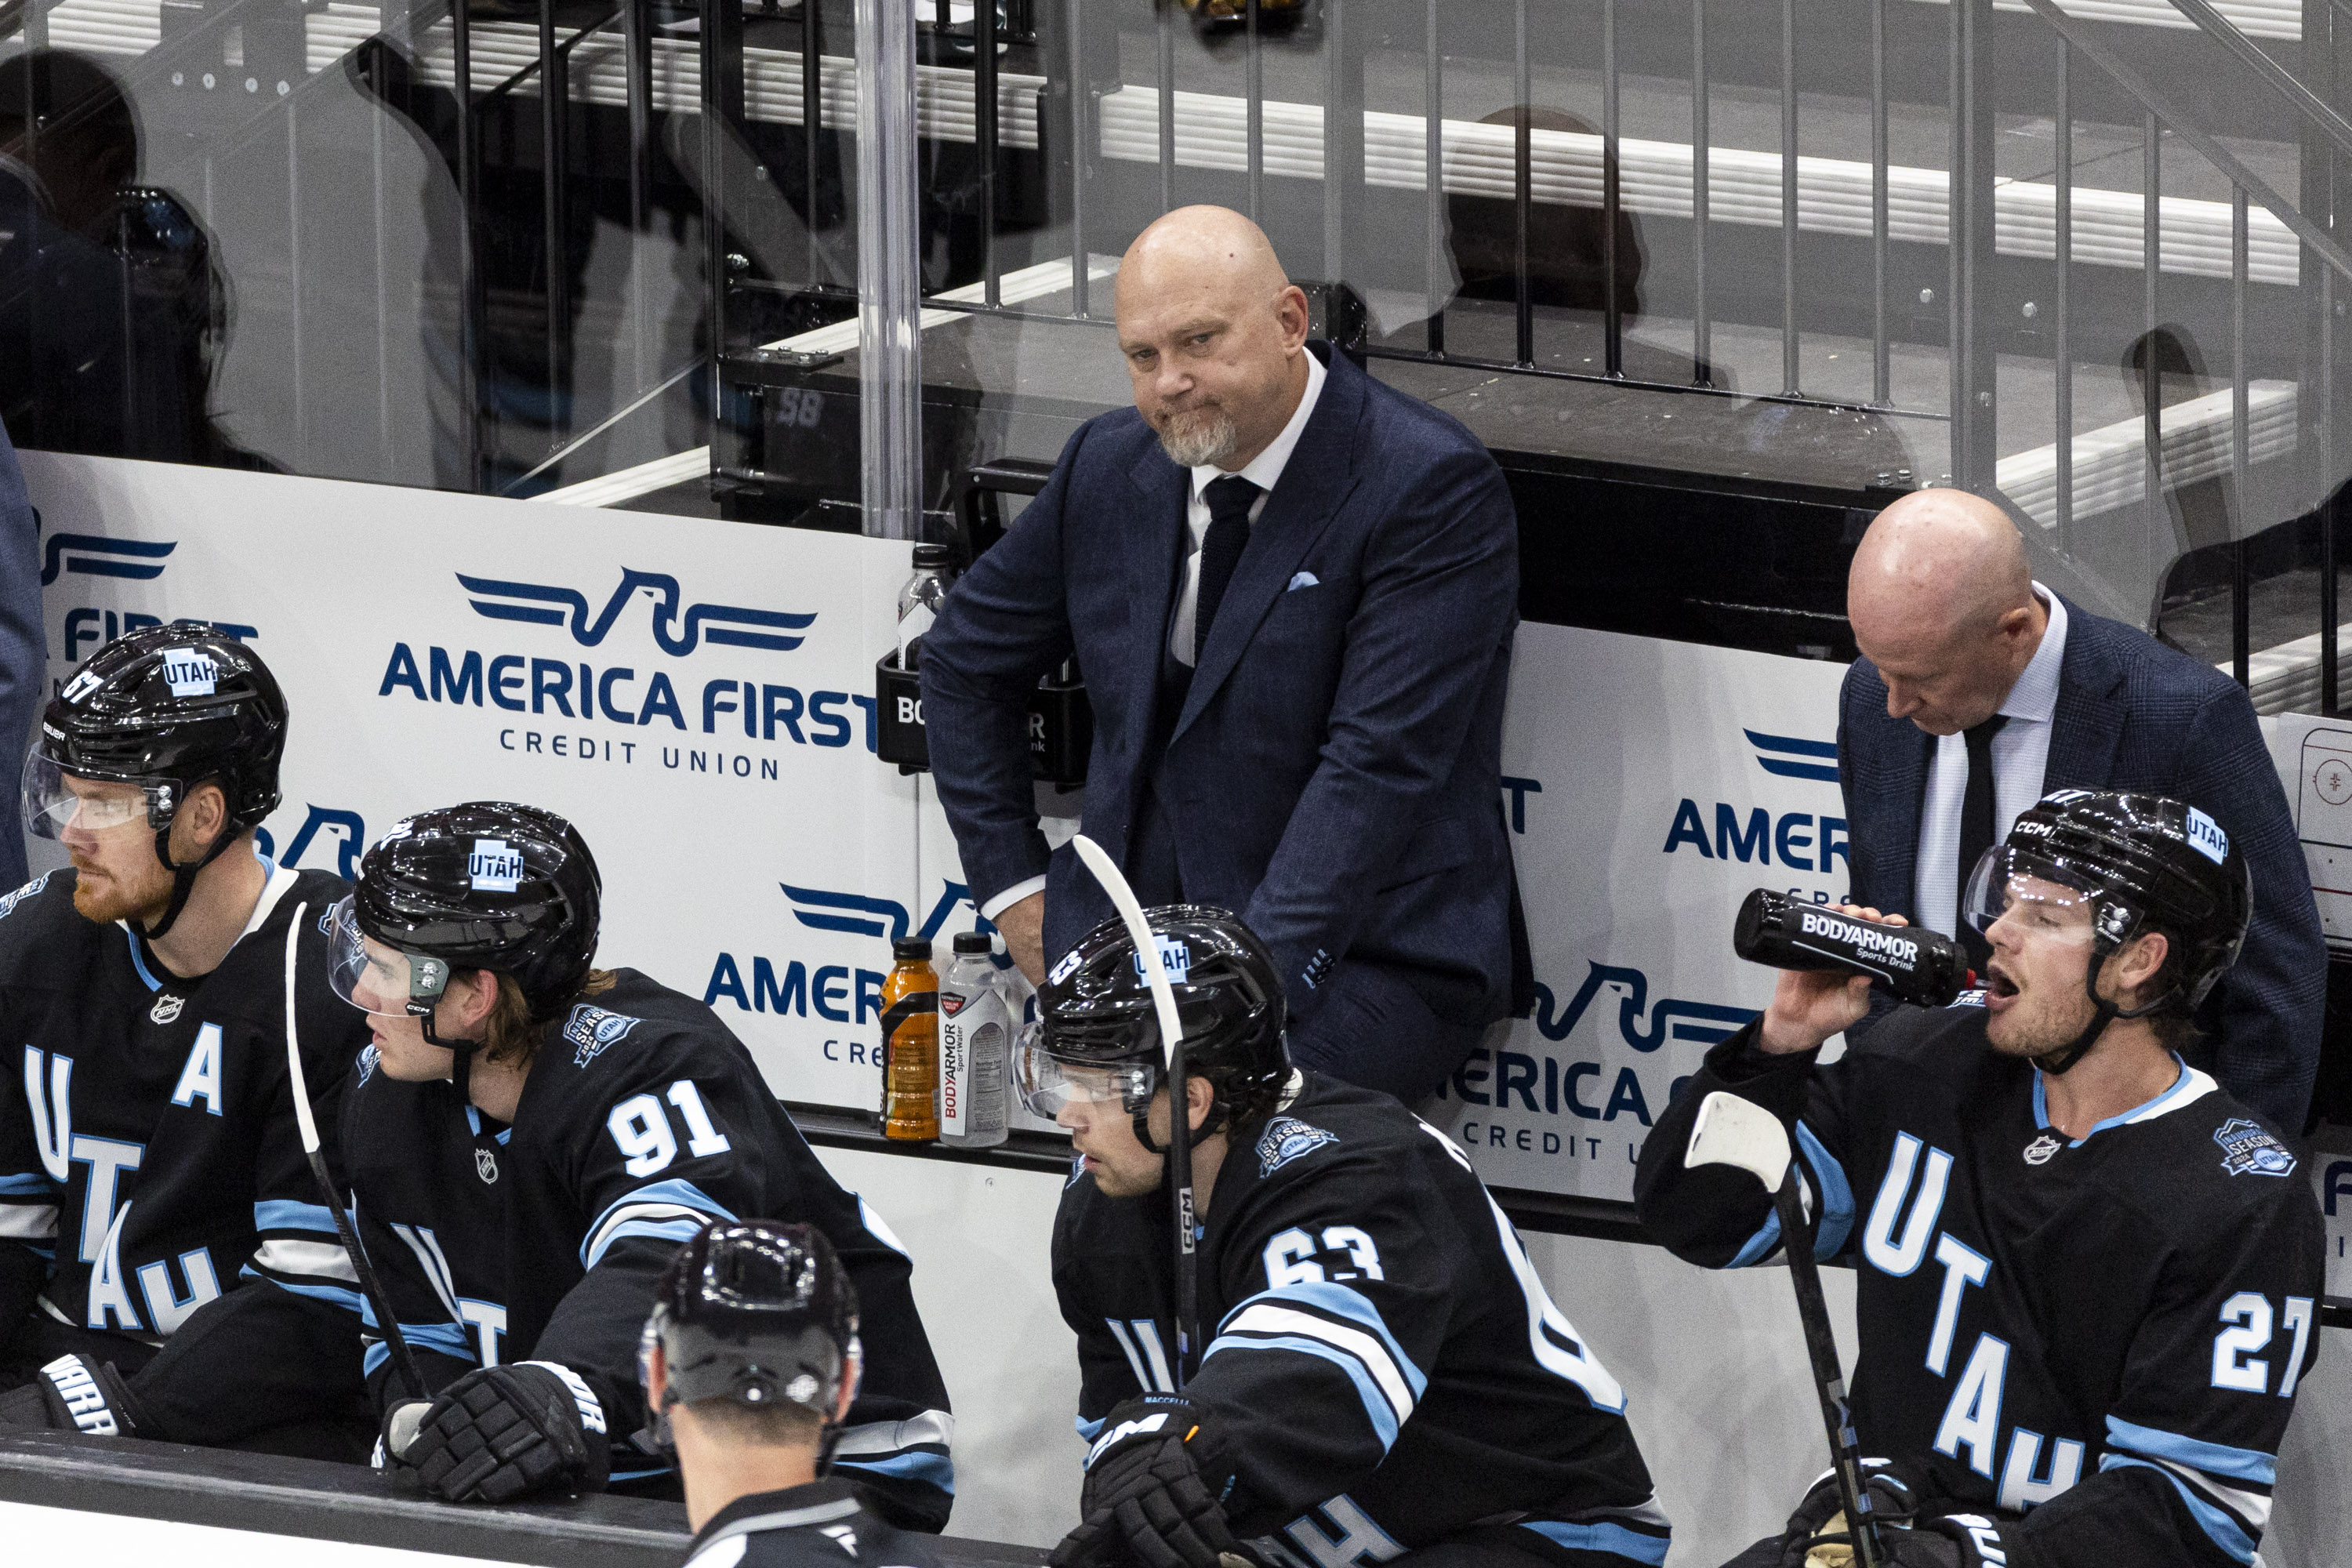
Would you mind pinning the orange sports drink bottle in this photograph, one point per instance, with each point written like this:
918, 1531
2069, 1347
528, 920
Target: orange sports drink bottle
910, 1043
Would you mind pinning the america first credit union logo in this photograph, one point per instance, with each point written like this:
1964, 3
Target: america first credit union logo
2247, 1150
678, 628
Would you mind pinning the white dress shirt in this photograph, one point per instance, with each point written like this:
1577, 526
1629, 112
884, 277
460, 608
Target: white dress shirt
1263, 471
2020, 756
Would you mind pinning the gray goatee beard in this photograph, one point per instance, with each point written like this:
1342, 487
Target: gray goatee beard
1198, 440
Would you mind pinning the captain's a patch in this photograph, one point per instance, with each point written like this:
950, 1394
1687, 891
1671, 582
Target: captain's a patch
1286, 1138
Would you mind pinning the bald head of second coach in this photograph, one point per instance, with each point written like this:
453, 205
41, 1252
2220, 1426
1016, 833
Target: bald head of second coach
1292, 592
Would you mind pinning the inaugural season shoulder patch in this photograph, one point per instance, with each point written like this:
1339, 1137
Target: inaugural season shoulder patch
593, 1028
1286, 1138
2247, 1150
31, 889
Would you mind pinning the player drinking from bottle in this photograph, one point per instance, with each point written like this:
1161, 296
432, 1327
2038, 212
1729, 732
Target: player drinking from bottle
2089, 1278
750, 1364
1383, 1374
530, 1138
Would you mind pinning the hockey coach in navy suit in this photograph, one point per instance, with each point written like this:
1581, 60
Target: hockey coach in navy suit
1292, 592
1980, 691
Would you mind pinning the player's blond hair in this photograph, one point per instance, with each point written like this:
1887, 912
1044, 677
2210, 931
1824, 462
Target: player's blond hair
508, 1034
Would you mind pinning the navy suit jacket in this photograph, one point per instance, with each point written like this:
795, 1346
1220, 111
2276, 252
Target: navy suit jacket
2134, 714
1334, 773
23, 656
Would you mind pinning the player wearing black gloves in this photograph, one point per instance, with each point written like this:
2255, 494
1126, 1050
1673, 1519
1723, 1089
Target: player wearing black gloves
1383, 1371
750, 1362
2088, 1279
530, 1138
168, 1267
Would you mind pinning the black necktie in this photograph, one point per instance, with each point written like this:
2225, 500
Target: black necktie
1976, 832
1229, 500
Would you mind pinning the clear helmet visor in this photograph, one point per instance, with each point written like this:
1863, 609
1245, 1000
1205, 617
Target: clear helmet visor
54, 801
377, 978
2022, 894
1049, 1082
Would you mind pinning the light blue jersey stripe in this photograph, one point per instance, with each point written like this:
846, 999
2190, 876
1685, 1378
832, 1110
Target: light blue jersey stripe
2213, 1458
282, 1213
916, 1464
2226, 1532
1630, 1544
1377, 1408
1341, 1302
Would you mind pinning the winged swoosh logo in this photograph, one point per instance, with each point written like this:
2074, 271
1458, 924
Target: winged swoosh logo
677, 630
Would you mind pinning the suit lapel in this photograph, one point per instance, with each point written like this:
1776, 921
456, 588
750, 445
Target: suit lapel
2088, 725
1314, 485
1155, 556
1909, 750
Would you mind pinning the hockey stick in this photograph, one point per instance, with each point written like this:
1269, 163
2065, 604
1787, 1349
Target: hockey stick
1740, 1132
1180, 1102
403, 1362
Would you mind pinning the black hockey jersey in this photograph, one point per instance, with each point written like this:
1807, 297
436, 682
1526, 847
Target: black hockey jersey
2107, 1331
1383, 1367
149, 1150
819, 1525
642, 1120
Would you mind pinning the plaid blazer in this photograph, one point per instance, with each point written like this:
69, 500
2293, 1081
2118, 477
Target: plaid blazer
2134, 714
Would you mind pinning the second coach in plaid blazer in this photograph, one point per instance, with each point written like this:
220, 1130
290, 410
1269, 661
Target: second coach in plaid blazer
1980, 690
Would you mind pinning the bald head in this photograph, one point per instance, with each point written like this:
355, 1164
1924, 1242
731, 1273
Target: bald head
1941, 599
1215, 336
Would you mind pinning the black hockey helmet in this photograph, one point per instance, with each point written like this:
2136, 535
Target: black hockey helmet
2136, 863
1096, 1035
756, 1312
487, 885
167, 709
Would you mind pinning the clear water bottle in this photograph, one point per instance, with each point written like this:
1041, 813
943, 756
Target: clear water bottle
975, 1036
920, 599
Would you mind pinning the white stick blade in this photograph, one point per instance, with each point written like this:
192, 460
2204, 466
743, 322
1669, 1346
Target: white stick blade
1734, 1132
1138, 931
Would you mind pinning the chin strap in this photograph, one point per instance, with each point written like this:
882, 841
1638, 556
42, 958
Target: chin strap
2104, 1013
183, 876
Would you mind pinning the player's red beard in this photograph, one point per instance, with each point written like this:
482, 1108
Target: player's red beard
2043, 1013
109, 894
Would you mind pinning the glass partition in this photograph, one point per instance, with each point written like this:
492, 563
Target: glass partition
2078, 255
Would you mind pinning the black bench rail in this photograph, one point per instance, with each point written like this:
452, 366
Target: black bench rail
320, 1502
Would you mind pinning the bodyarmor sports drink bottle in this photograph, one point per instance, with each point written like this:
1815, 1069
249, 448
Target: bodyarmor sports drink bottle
975, 1034
1916, 965
910, 1043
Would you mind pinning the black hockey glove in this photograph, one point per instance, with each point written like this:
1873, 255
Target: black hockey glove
1146, 1499
1958, 1540
503, 1432
1817, 1530
70, 1395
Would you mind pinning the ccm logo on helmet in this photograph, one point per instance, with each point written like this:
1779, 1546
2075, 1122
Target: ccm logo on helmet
493, 868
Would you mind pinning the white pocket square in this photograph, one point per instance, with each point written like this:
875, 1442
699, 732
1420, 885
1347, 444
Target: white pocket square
1302, 580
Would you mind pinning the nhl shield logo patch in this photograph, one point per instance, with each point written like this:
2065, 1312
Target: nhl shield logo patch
1286, 1138
486, 1166
2039, 1151
166, 1008
2247, 1150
